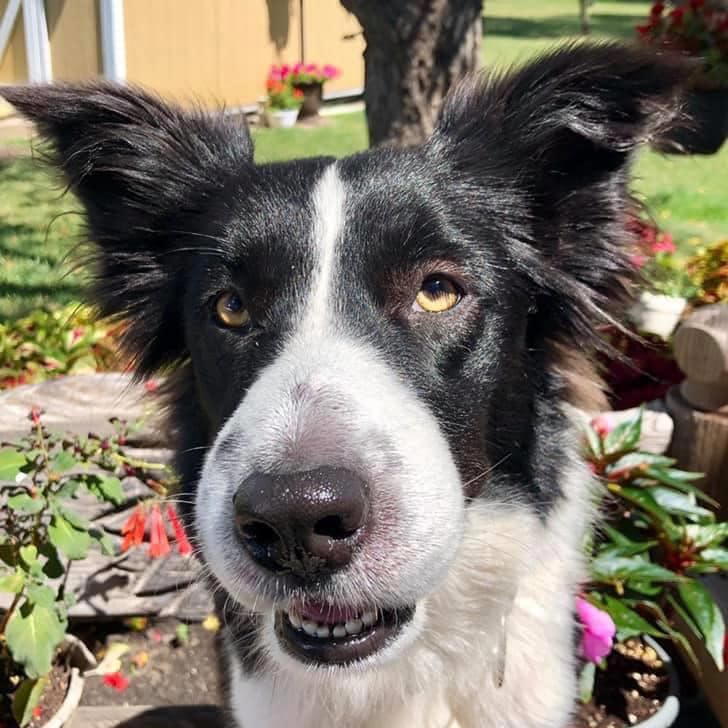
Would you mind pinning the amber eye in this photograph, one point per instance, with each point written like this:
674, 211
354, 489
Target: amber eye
230, 311
437, 294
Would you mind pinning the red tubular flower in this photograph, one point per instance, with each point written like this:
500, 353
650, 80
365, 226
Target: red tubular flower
158, 542
133, 528
677, 16
183, 545
657, 9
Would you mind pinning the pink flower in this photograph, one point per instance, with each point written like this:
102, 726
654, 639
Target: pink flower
664, 245
298, 68
275, 74
330, 71
603, 424
310, 68
599, 631
285, 71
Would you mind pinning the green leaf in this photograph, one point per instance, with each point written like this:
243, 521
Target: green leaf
62, 462
617, 568
69, 489
41, 595
25, 504
593, 442
707, 616
33, 634
666, 477
53, 568
11, 461
586, 682
633, 460
657, 514
681, 504
624, 436
716, 557
105, 542
28, 554
628, 622
14, 582
710, 535
26, 698
73, 518
67, 539
112, 490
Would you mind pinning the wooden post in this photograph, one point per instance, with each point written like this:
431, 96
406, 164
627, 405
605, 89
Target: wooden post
699, 406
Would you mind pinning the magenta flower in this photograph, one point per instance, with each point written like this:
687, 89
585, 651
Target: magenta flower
298, 68
310, 68
664, 245
330, 71
599, 631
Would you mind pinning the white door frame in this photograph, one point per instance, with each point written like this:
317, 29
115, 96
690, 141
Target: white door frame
113, 40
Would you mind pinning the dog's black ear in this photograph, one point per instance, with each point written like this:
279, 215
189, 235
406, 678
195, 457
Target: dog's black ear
551, 145
142, 169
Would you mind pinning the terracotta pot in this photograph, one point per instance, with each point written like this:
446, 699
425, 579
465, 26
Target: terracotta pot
705, 128
312, 96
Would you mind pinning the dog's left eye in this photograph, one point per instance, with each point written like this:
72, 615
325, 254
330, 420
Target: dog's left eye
229, 310
437, 294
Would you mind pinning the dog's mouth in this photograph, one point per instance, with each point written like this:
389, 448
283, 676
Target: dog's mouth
328, 635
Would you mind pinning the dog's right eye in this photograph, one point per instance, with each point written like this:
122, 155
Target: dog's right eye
230, 311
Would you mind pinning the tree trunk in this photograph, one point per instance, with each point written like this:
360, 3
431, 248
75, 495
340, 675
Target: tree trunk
415, 50
584, 16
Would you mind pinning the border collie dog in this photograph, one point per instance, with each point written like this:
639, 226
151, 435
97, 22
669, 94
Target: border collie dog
376, 365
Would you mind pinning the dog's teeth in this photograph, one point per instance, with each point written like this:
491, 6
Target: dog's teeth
322, 631
309, 627
354, 626
339, 631
295, 620
368, 618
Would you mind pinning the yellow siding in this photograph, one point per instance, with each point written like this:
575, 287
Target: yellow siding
13, 67
73, 29
218, 51
332, 35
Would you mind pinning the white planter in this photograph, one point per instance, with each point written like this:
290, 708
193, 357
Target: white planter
655, 313
668, 713
283, 118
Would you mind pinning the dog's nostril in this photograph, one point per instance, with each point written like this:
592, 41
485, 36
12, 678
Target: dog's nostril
334, 527
259, 532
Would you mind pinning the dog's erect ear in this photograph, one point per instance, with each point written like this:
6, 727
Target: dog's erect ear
557, 136
142, 169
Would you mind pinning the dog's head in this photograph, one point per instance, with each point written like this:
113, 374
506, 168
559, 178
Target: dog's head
367, 346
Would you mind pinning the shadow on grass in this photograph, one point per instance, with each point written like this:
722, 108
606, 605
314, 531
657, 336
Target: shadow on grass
558, 26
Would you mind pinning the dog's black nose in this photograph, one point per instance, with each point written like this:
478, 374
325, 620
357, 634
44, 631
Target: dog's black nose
305, 523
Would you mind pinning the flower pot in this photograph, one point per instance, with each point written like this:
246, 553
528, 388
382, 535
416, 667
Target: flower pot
656, 313
706, 125
80, 659
282, 118
312, 96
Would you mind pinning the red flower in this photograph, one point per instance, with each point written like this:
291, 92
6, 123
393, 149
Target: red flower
677, 16
133, 528
117, 681
183, 545
35, 413
657, 9
158, 542
37, 712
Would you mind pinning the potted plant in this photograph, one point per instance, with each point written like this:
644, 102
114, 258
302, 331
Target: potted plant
666, 283
697, 28
658, 536
708, 269
41, 534
283, 101
309, 78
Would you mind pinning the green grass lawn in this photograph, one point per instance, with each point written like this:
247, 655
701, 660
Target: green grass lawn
687, 195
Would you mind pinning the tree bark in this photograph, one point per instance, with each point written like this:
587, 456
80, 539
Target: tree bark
584, 16
415, 50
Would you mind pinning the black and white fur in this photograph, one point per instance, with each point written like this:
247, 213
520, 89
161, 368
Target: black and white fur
461, 423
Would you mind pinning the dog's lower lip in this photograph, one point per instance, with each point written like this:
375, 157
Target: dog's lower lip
341, 644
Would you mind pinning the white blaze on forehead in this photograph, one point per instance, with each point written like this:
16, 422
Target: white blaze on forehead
329, 201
